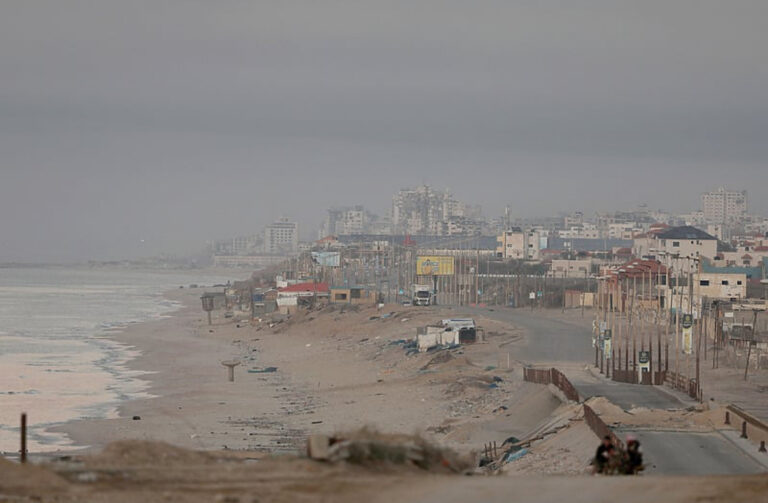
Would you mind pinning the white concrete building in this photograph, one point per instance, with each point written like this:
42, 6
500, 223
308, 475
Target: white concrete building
724, 206
281, 237
680, 247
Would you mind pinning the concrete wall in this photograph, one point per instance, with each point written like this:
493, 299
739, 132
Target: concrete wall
347, 296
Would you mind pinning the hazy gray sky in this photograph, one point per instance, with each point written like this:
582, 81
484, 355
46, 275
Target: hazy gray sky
178, 121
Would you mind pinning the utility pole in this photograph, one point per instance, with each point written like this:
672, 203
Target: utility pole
677, 322
564, 290
477, 276
749, 348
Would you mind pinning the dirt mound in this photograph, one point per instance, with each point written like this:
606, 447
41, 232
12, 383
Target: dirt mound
440, 358
144, 453
446, 359
16, 477
374, 450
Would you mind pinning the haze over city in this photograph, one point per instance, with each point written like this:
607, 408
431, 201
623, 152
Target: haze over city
129, 129
424, 251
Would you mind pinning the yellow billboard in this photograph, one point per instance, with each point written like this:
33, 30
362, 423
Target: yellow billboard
434, 265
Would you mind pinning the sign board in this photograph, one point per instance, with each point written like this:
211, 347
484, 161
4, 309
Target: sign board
532, 295
327, 259
644, 364
688, 340
687, 323
435, 265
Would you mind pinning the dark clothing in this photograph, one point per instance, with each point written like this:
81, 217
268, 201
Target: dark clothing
602, 456
634, 461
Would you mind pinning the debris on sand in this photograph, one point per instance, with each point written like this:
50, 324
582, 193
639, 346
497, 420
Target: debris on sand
265, 370
372, 449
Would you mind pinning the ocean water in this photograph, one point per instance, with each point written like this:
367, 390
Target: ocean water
57, 362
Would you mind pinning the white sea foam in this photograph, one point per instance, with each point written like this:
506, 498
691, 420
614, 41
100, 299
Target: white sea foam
56, 360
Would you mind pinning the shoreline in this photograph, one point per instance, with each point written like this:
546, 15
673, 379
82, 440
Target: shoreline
336, 371
181, 368
63, 351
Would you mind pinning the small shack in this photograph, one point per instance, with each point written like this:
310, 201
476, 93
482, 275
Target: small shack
358, 295
306, 294
449, 332
465, 329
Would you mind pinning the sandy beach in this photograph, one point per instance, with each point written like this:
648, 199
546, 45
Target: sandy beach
337, 369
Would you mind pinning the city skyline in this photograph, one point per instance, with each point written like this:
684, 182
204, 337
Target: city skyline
130, 129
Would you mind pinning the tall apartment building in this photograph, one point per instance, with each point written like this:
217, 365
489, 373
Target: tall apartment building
723, 206
345, 221
281, 237
423, 210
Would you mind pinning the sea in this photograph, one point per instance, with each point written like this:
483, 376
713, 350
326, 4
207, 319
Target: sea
57, 360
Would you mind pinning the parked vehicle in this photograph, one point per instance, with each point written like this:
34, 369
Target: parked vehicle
422, 295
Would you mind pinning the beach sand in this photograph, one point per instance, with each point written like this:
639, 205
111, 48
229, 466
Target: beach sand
336, 370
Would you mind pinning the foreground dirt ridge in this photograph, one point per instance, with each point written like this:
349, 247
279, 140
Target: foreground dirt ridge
138, 471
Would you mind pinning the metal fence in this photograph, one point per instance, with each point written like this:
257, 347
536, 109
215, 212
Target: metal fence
562, 382
552, 376
628, 376
599, 427
682, 383
538, 376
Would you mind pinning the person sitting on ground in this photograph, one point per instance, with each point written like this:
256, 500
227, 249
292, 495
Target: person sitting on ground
603, 455
633, 462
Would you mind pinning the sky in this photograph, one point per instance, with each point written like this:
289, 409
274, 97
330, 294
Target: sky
131, 128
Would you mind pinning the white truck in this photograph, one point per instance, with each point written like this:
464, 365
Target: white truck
422, 295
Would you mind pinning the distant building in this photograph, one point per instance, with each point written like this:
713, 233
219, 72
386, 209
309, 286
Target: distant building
521, 245
424, 210
644, 243
281, 237
248, 261
511, 244
575, 219
584, 231
345, 221
720, 285
724, 206
676, 246
241, 245
570, 268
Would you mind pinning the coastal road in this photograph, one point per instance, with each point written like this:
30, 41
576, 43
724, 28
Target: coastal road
557, 340
565, 343
687, 453
548, 338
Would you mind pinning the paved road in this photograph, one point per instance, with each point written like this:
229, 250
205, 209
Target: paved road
552, 340
626, 396
549, 338
685, 453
